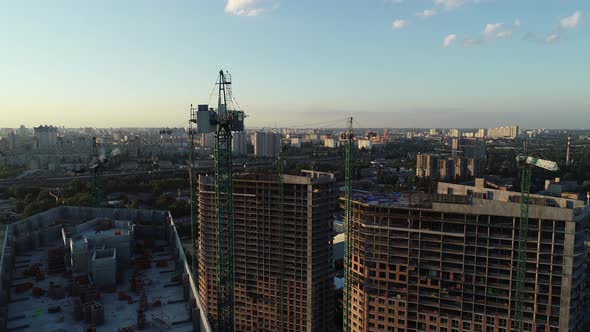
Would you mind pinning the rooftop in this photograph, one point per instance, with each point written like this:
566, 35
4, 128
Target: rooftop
137, 249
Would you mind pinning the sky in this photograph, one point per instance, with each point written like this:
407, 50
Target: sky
388, 63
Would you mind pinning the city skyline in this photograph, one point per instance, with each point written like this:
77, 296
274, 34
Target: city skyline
397, 64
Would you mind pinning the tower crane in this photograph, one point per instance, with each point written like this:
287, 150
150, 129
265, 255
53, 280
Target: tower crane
526, 164
348, 137
191, 175
281, 168
98, 163
222, 122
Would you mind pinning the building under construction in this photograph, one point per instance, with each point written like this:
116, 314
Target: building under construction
96, 269
447, 262
301, 264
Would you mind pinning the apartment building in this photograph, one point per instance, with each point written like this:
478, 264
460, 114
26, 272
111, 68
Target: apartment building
446, 262
307, 262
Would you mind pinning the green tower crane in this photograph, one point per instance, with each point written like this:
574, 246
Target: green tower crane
348, 138
98, 161
526, 165
191, 175
222, 122
281, 166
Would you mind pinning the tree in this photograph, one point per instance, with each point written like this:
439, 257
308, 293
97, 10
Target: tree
134, 204
161, 202
20, 206
31, 209
80, 199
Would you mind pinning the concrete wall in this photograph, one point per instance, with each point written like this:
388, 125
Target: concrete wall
104, 267
498, 208
198, 311
80, 255
499, 195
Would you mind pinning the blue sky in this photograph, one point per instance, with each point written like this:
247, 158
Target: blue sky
143, 62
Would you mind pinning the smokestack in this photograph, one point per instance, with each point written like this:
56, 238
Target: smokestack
567, 153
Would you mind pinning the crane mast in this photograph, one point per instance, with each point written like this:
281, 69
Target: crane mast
191, 175
96, 169
522, 244
224, 210
526, 164
222, 122
281, 285
348, 137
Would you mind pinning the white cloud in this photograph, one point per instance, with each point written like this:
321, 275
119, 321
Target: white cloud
426, 13
248, 7
472, 41
491, 28
571, 22
449, 40
552, 38
399, 24
558, 33
449, 3
493, 31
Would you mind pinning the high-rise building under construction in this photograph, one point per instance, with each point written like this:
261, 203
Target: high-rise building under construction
306, 269
446, 262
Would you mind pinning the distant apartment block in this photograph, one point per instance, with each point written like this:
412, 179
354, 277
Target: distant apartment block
331, 143
308, 264
481, 133
207, 140
46, 137
266, 144
426, 165
446, 262
239, 145
446, 168
365, 143
455, 132
503, 132
295, 142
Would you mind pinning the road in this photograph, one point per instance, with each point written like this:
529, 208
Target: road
57, 180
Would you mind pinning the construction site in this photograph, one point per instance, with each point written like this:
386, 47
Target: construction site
448, 261
97, 269
283, 270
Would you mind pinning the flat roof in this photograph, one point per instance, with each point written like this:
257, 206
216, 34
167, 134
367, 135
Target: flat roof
31, 313
167, 284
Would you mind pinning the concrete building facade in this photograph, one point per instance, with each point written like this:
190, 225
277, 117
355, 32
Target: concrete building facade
239, 144
45, 136
266, 144
446, 262
426, 165
503, 132
331, 143
308, 266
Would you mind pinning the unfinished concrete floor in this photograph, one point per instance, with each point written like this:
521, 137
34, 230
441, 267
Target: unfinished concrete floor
29, 313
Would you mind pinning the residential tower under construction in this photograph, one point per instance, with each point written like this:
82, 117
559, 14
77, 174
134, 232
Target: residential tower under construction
447, 261
302, 264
